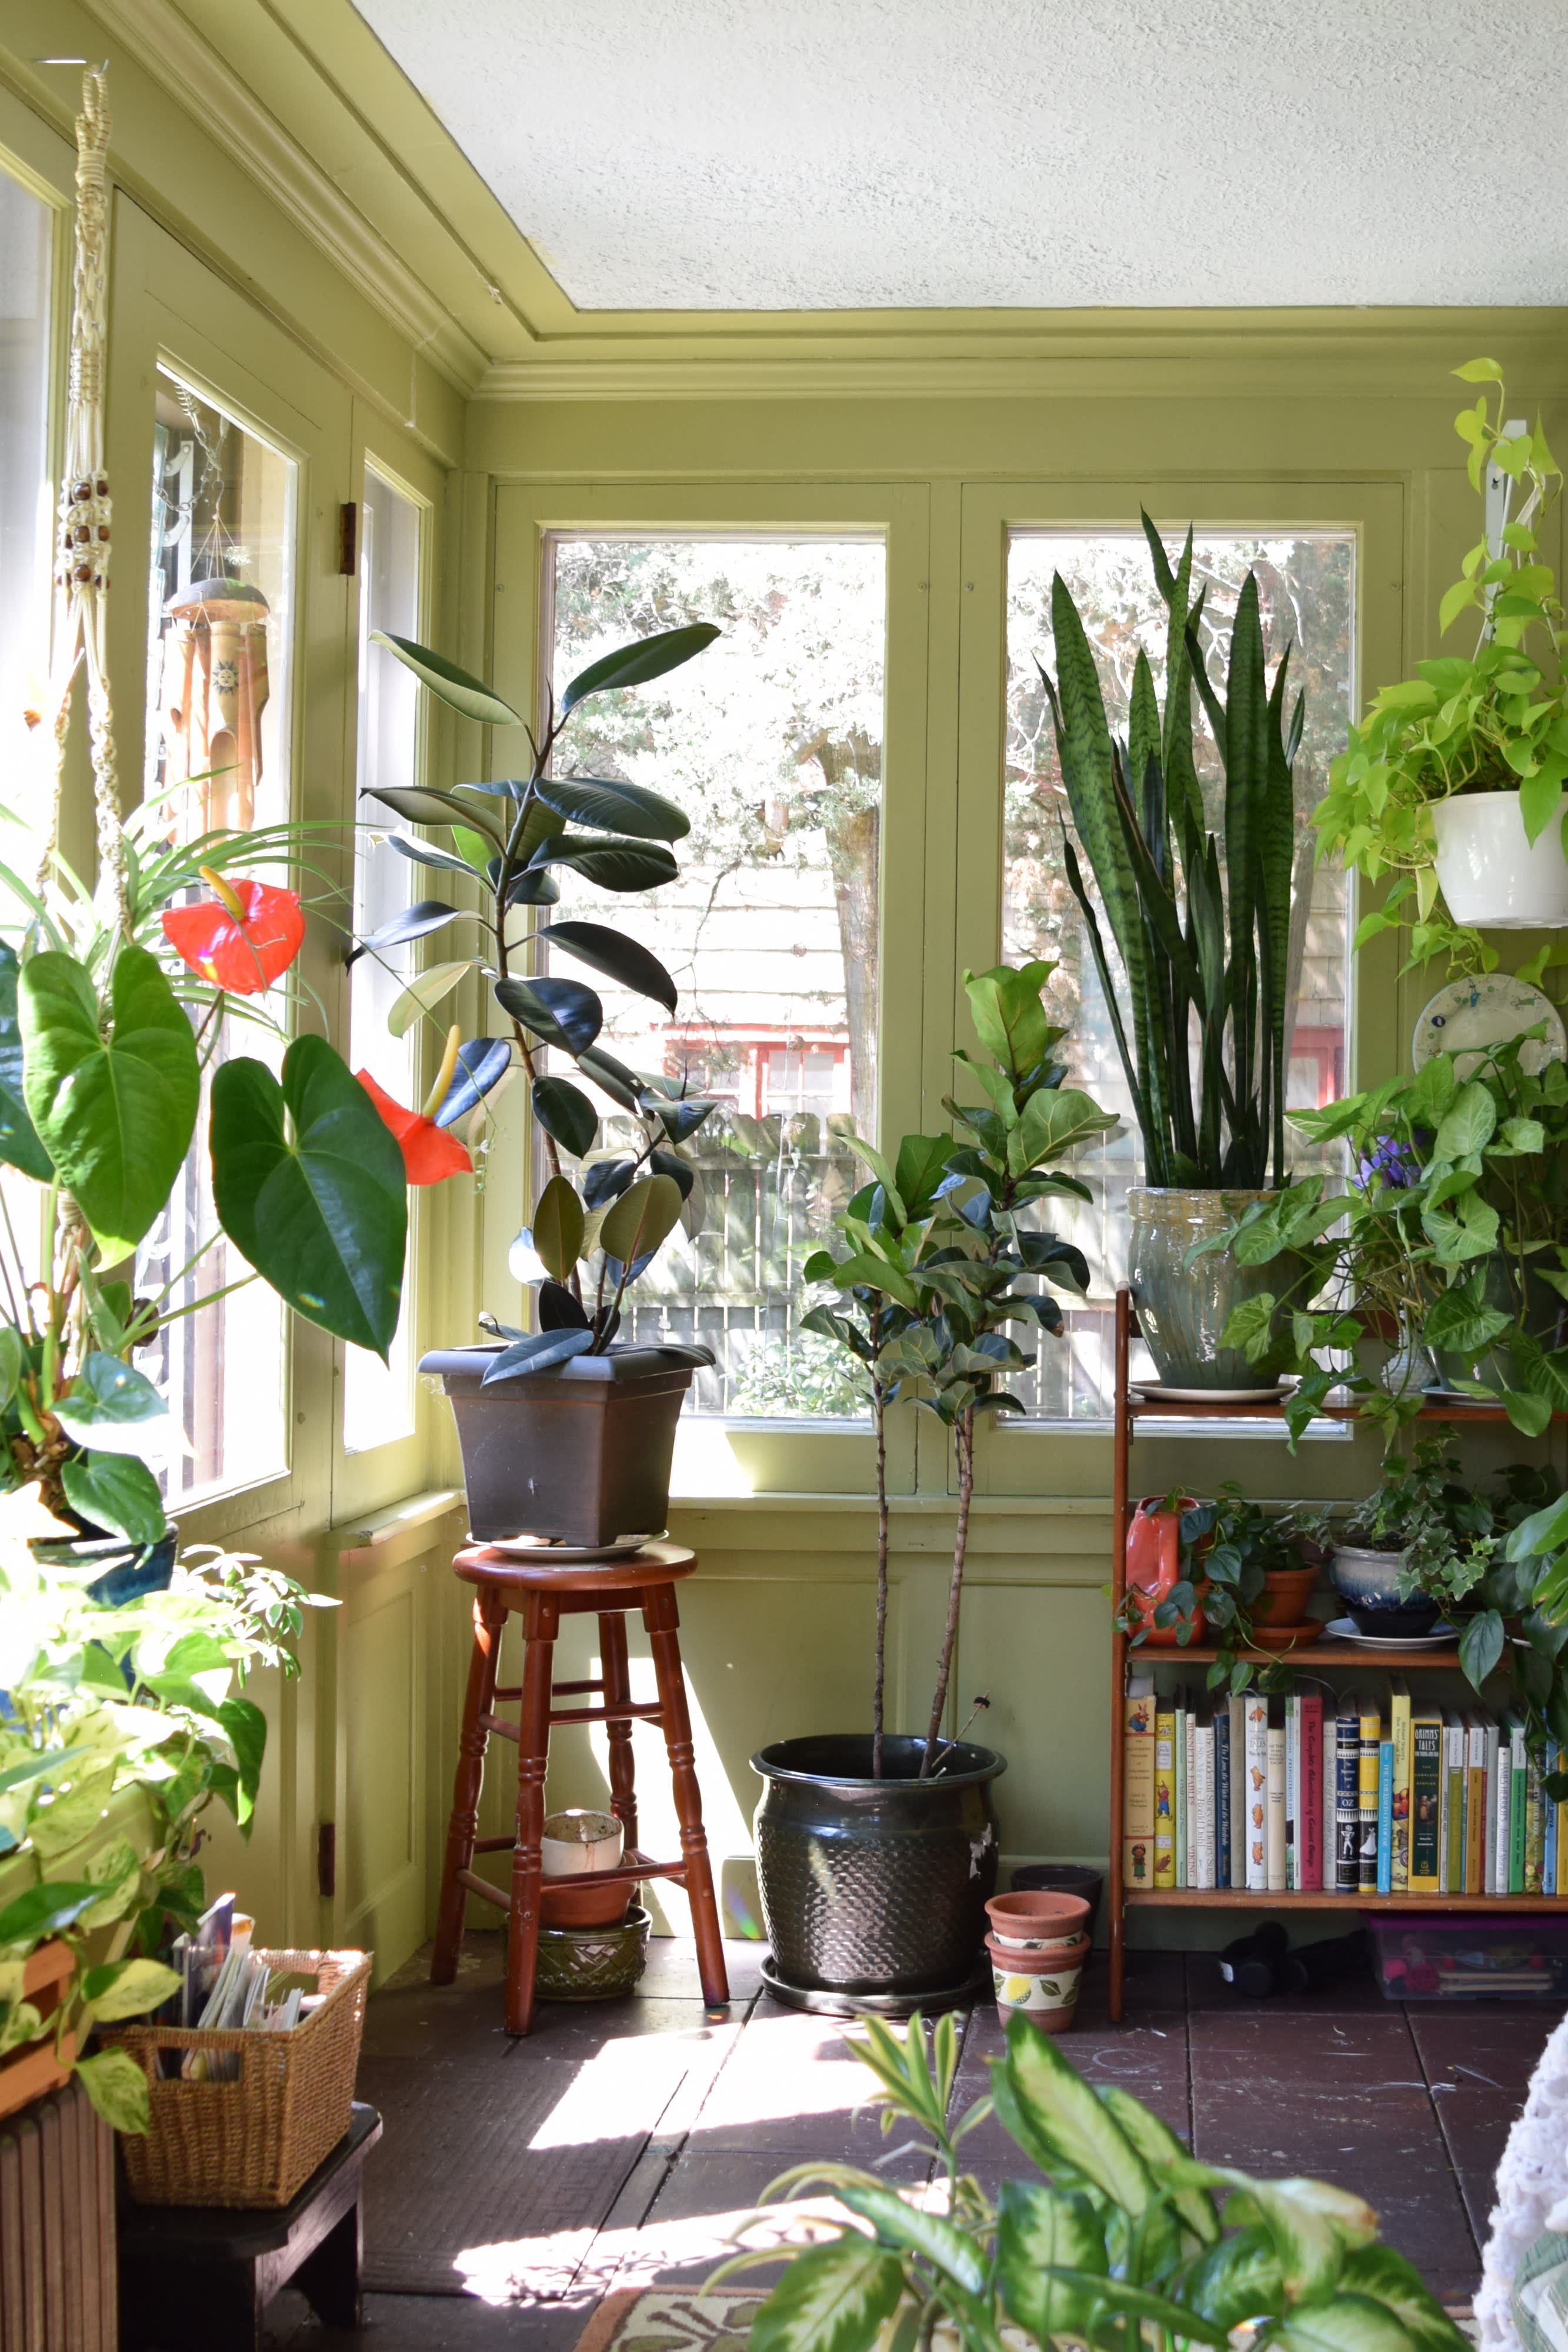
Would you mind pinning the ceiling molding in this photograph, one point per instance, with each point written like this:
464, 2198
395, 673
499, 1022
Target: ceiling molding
169, 48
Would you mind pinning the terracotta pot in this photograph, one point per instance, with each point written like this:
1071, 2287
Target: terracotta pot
564, 1904
1283, 1600
1042, 1987
1154, 1566
1037, 1917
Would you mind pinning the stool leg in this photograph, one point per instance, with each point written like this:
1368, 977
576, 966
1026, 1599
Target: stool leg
616, 1678
662, 1618
490, 1617
541, 1621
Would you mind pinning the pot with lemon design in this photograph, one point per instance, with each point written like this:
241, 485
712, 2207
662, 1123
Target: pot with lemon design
1039, 1984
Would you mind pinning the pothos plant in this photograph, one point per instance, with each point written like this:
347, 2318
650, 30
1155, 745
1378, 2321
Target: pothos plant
1492, 721
591, 1238
1118, 2237
940, 1242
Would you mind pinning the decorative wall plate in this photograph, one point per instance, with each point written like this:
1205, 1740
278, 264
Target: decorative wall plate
1469, 1015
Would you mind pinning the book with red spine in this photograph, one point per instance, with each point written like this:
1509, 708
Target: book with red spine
1309, 1814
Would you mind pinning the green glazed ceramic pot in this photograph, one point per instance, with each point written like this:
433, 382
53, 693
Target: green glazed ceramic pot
1183, 1309
593, 1963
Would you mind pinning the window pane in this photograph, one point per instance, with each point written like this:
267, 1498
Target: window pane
27, 492
1306, 585
219, 631
771, 742
378, 1399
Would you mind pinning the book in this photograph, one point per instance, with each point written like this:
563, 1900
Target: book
1502, 1809
1165, 1793
1255, 1763
1517, 1830
1292, 1793
1562, 1885
1203, 1804
1180, 1831
1369, 1738
1222, 1796
1549, 1856
1475, 1802
1385, 1817
1425, 1801
1274, 1840
1236, 1708
1138, 1782
1534, 1822
1399, 1731
1190, 1816
1347, 1798
1331, 1794
1454, 1746
1309, 1739
1489, 1804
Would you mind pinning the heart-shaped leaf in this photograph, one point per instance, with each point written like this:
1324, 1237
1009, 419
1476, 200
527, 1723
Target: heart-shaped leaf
116, 1115
117, 1491
621, 958
112, 1406
537, 1353
482, 1063
307, 1182
613, 864
455, 686
635, 664
19, 1144
565, 1114
559, 1223
425, 914
563, 1012
614, 808
644, 1216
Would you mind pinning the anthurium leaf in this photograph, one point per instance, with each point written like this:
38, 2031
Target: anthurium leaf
831, 2298
112, 1406
562, 1011
619, 957
117, 2088
19, 1144
455, 686
307, 1182
634, 665
537, 1353
413, 923
645, 1215
566, 1114
559, 1223
482, 1064
116, 1115
614, 865
614, 807
118, 1492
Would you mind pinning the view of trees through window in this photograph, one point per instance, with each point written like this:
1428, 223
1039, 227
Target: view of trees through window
1306, 585
771, 742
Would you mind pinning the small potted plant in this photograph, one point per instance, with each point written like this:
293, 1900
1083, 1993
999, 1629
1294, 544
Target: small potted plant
1419, 1521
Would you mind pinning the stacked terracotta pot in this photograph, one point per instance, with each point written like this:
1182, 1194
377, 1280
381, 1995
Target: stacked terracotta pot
1038, 1943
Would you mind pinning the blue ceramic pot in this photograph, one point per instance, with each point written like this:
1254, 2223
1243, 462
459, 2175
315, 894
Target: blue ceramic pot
1368, 1583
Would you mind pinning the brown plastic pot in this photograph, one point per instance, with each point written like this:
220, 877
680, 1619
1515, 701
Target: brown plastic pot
1283, 1600
564, 1904
580, 1452
1045, 1917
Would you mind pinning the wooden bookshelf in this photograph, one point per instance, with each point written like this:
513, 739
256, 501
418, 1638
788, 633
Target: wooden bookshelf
1130, 1407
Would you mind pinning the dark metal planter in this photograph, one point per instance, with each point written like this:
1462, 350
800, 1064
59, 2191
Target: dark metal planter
874, 1891
580, 1452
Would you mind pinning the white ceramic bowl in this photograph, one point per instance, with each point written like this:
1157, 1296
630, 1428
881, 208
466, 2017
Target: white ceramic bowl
577, 1839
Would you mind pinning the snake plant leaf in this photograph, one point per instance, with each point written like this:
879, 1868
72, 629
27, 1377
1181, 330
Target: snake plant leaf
1176, 741
19, 1144
613, 864
612, 807
115, 1114
560, 1011
451, 685
617, 957
1109, 995
636, 664
831, 2298
307, 1182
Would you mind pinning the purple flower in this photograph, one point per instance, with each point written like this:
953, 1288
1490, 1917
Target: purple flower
1391, 1163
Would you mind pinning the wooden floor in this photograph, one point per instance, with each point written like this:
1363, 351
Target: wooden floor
621, 2144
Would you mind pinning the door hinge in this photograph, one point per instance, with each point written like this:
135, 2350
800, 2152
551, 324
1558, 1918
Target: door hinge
326, 1858
349, 539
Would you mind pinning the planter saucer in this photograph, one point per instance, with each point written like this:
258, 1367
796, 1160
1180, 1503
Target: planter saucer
540, 1548
821, 2001
1343, 1629
1156, 1393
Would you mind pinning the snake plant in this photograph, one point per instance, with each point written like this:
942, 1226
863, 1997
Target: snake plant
1204, 939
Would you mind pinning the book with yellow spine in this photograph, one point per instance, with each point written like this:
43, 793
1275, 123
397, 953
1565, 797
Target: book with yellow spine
1138, 1782
1165, 1792
1399, 1726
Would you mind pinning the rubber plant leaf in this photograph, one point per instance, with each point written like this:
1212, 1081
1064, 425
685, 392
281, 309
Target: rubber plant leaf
424, 992
558, 1224
614, 808
537, 1353
452, 686
613, 864
115, 1114
644, 1216
411, 923
560, 1011
617, 957
482, 1064
634, 665
565, 1114
307, 1182
19, 1144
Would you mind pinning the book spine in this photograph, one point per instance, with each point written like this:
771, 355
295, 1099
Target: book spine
1236, 1708
1385, 1817
1164, 1796
1535, 1823
1138, 1783
1331, 1802
1181, 1878
1562, 1885
1475, 1806
1222, 1796
1203, 1803
1257, 1765
1292, 1803
1549, 1856
1309, 1739
1518, 1779
1348, 1808
1369, 1738
1274, 1841
1502, 1834
1425, 1803
1399, 1727
1488, 1818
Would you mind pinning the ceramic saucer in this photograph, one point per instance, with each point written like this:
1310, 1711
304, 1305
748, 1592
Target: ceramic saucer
1442, 1637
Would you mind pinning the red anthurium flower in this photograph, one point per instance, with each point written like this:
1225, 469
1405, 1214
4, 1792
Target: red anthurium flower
241, 937
430, 1153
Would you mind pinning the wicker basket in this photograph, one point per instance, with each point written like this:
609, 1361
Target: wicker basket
255, 2141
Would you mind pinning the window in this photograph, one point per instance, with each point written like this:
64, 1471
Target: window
1306, 581
219, 631
26, 491
378, 1399
771, 741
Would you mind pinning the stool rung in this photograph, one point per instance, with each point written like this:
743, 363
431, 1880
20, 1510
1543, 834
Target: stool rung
570, 1690
482, 1888
514, 1690
646, 1710
494, 1845
498, 1724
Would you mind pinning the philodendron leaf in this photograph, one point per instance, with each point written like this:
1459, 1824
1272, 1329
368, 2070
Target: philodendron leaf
117, 2089
635, 664
455, 686
619, 957
118, 1492
644, 1216
19, 1144
559, 1223
831, 2298
43, 1910
115, 1114
128, 1989
115, 1408
307, 1182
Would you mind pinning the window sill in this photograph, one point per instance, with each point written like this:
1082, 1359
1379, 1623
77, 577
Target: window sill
381, 1538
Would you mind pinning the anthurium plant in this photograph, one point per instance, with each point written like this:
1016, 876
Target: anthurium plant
1117, 2235
944, 1253
1203, 943
103, 1699
594, 1233
1493, 719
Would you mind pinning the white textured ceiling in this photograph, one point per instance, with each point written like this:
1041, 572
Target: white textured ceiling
830, 154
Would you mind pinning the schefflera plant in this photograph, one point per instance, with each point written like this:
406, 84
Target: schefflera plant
589, 1241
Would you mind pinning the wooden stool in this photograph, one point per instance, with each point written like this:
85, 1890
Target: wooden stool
541, 1596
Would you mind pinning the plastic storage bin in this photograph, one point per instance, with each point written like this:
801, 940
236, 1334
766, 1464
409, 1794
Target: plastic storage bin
1449, 1955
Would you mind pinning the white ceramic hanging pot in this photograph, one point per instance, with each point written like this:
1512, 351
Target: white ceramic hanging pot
1488, 873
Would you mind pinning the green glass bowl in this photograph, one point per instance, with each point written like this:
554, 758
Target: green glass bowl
593, 1963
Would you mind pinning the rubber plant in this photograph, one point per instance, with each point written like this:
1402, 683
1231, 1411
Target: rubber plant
112, 1006
939, 1243
1118, 2237
591, 1238
1203, 943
